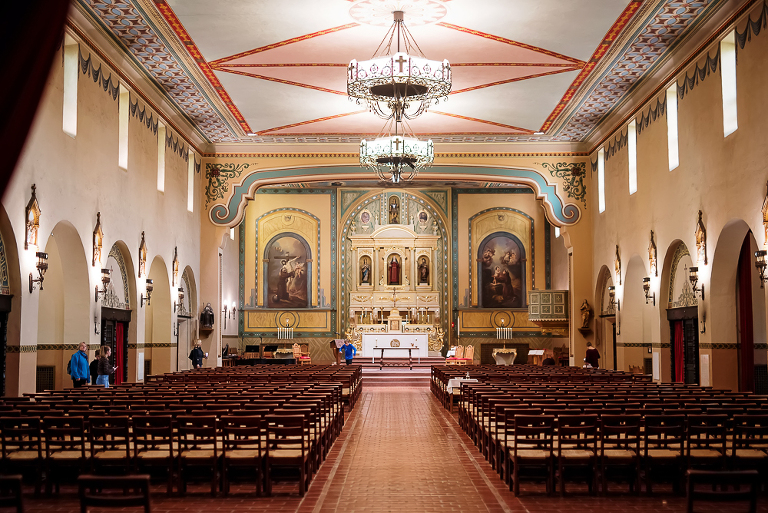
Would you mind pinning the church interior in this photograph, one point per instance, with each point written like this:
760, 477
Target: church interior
513, 229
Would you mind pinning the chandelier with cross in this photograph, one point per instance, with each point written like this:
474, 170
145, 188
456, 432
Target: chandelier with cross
398, 85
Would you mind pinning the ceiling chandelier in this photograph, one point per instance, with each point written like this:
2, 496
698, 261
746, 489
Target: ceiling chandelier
398, 85
396, 157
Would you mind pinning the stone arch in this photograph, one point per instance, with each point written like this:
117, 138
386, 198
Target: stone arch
121, 295
64, 308
157, 320
674, 292
186, 318
723, 320
15, 356
634, 317
605, 318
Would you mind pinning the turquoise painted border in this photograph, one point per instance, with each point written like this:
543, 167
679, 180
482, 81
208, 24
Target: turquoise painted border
547, 255
231, 213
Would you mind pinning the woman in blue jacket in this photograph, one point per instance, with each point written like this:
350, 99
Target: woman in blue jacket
78, 367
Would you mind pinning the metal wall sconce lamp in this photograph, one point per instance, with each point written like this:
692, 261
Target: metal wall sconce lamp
612, 296
105, 278
176, 329
693, 275
703, 324
150, 288
42, 266
229, 312
615, 303
760, 264
647, 290
180, 304
96, 323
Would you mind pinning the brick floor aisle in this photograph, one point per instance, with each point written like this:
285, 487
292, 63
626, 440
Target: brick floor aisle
400, 451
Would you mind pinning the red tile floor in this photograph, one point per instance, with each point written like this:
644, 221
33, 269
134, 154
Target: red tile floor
400, 451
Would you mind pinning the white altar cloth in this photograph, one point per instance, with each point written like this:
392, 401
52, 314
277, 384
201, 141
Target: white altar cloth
373, 340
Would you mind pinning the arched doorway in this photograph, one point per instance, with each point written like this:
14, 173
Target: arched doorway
64, 311
605, 324
157, 321
10, 313
117, 307
184, 309
737, 303
680, 363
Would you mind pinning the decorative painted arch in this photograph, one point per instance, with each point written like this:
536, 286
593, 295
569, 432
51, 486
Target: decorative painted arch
558, 211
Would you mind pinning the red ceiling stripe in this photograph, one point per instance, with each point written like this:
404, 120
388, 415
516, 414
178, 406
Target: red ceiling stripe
184, 37
586, 71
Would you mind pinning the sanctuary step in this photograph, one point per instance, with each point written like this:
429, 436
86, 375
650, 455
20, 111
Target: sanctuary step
396, 377
426, 361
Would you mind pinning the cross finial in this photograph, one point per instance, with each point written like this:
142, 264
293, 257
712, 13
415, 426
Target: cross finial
397, 146
400, 60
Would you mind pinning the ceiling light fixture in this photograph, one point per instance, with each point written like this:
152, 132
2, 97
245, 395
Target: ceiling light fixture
398, 85
396, 158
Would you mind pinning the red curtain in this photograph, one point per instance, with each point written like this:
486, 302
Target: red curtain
747, 339
119, 356
679, 354
30, 35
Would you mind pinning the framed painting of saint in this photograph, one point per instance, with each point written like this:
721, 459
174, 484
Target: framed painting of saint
501, 263
287, 272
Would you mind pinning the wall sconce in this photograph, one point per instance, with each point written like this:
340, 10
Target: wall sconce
612, 296
96, 323
105, 281
647, 290
693, 275
229, 312
760, 264
176, 329
703, 324
180, 304
150, 288
42, 266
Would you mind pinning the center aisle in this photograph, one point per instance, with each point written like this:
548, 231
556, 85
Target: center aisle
402, 453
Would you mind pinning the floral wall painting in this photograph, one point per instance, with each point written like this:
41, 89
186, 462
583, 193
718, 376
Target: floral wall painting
288, 262
501, 260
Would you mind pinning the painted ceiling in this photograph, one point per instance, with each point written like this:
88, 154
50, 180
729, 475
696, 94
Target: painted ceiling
277, 69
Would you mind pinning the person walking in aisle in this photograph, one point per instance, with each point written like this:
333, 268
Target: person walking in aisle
94, 368
349, 351
78, 366
197, 356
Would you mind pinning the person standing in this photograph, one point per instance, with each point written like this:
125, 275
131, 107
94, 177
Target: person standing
592, 356
349, 351
197, 355
78, 367
105, 368
94, 368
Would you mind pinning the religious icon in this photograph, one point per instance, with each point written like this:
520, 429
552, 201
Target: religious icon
393, 271
365, 217
423, 270
501, 273
422, 217
365, 271
287, 274
394, 210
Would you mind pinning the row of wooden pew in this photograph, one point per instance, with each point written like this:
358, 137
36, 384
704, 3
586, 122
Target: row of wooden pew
221, 430
619, 429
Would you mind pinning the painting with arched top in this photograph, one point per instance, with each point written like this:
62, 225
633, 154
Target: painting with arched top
287, 270
501, 259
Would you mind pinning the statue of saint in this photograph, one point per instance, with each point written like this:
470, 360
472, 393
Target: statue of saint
207, 317
394, 211
393, 271
365, 273
423, 271
585, 314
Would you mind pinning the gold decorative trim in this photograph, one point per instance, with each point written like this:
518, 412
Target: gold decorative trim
21, 349
355, 155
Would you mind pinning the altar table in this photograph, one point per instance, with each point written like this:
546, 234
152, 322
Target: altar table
417, 342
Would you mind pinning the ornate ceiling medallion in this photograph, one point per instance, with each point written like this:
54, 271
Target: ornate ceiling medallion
379, 12
398, 85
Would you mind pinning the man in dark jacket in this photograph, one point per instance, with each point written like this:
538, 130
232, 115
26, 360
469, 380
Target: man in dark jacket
79, 370
94, 368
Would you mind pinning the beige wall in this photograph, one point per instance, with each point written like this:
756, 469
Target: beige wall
724, 177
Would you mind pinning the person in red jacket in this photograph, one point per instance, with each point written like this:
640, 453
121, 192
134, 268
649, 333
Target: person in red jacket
592, 356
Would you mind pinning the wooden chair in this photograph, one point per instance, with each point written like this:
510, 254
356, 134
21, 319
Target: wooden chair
288, 446
10, 493
22, 447
457, 357
620, 449
750, 443
735, 486
664, 444
94, 492
199, 446
242, 447
153, 444
469, 355
577, 448
65, 439
110, 441
705, 443
532, 448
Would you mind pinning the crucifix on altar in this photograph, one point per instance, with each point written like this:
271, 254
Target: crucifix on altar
394, 321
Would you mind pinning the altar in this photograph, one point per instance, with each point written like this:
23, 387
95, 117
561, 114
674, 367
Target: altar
372, 340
